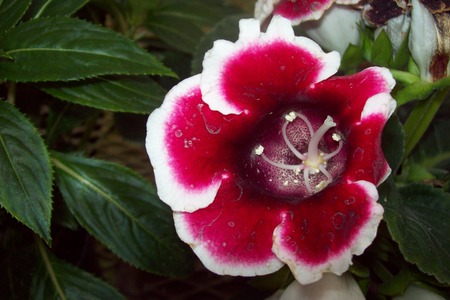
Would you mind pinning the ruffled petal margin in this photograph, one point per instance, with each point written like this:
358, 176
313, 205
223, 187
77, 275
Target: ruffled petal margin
262, 70
323, 234
233, 235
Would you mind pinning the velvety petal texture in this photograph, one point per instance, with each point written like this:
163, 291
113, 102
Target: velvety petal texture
268, 159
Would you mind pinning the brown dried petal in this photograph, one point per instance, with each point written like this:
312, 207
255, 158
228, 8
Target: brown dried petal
377, 12
437, 6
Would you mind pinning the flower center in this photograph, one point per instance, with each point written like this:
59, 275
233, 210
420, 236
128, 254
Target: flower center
297, 156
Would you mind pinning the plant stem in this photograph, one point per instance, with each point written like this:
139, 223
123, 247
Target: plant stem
420, 119
49, 267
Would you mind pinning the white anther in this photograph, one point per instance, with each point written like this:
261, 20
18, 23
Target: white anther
336, 137
290, 117
259, 150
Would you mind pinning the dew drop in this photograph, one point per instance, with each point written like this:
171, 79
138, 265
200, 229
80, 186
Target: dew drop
250, 246
368, 131
338, 220
330, 236
282, 68
231, 224
224, 244
178, 133
358, 154
253, 235
350, 200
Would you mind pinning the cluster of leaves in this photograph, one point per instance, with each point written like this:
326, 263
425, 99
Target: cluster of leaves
64, 63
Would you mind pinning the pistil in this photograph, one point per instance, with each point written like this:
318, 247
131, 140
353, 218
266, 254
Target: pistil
313, 161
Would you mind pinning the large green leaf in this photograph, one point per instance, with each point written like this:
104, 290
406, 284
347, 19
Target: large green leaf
11, 12
25, 172
200, 12
418, 218
57, 280
54, 8
61, 48
121, 210
176, 32
136, 94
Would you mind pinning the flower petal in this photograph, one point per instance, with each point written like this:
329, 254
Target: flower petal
262, 70
323, 233
233, 235
295, 11
186, 143
346, 96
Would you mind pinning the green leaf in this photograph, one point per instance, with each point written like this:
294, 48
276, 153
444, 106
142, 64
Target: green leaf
200, 12
352, 58
61, 48
136, 94
419, 221
366, 41
381, 52
227, 29
176, 32
434, 152
121, 210
54, 8
57, 280
403, 54
393, 142
11, 12
25, 171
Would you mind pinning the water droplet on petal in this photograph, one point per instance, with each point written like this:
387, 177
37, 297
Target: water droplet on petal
330, 236
358, 154
338, 220
250, 246
178, 133
350, 200
231, 224
224, 244
368, 131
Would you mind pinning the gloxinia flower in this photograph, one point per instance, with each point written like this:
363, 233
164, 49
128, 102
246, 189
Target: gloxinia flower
330, 287
296, 11
266, 160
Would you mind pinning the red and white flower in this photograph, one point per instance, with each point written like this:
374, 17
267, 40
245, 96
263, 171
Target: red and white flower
268, 159
296, 11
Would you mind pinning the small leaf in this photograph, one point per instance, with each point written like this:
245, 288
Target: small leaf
227, 29
121, 210
352, 58
55, 279
135, 94
366, 41
419, 221
61, 48
403, 55
381, 50
25, 171
11, 12
54, 8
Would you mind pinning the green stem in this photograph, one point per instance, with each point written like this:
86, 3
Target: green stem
49, 267
420, 118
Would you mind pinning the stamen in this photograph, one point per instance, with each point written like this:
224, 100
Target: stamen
314, 157
306, 179
311, 131
295, 168
327, 156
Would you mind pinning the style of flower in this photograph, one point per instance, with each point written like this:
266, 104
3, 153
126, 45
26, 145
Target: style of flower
268, 159
296, 11
330, 287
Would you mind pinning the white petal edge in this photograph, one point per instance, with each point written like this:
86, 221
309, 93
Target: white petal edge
214, 264
307, 274
222, 51
264, 8
178, 196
